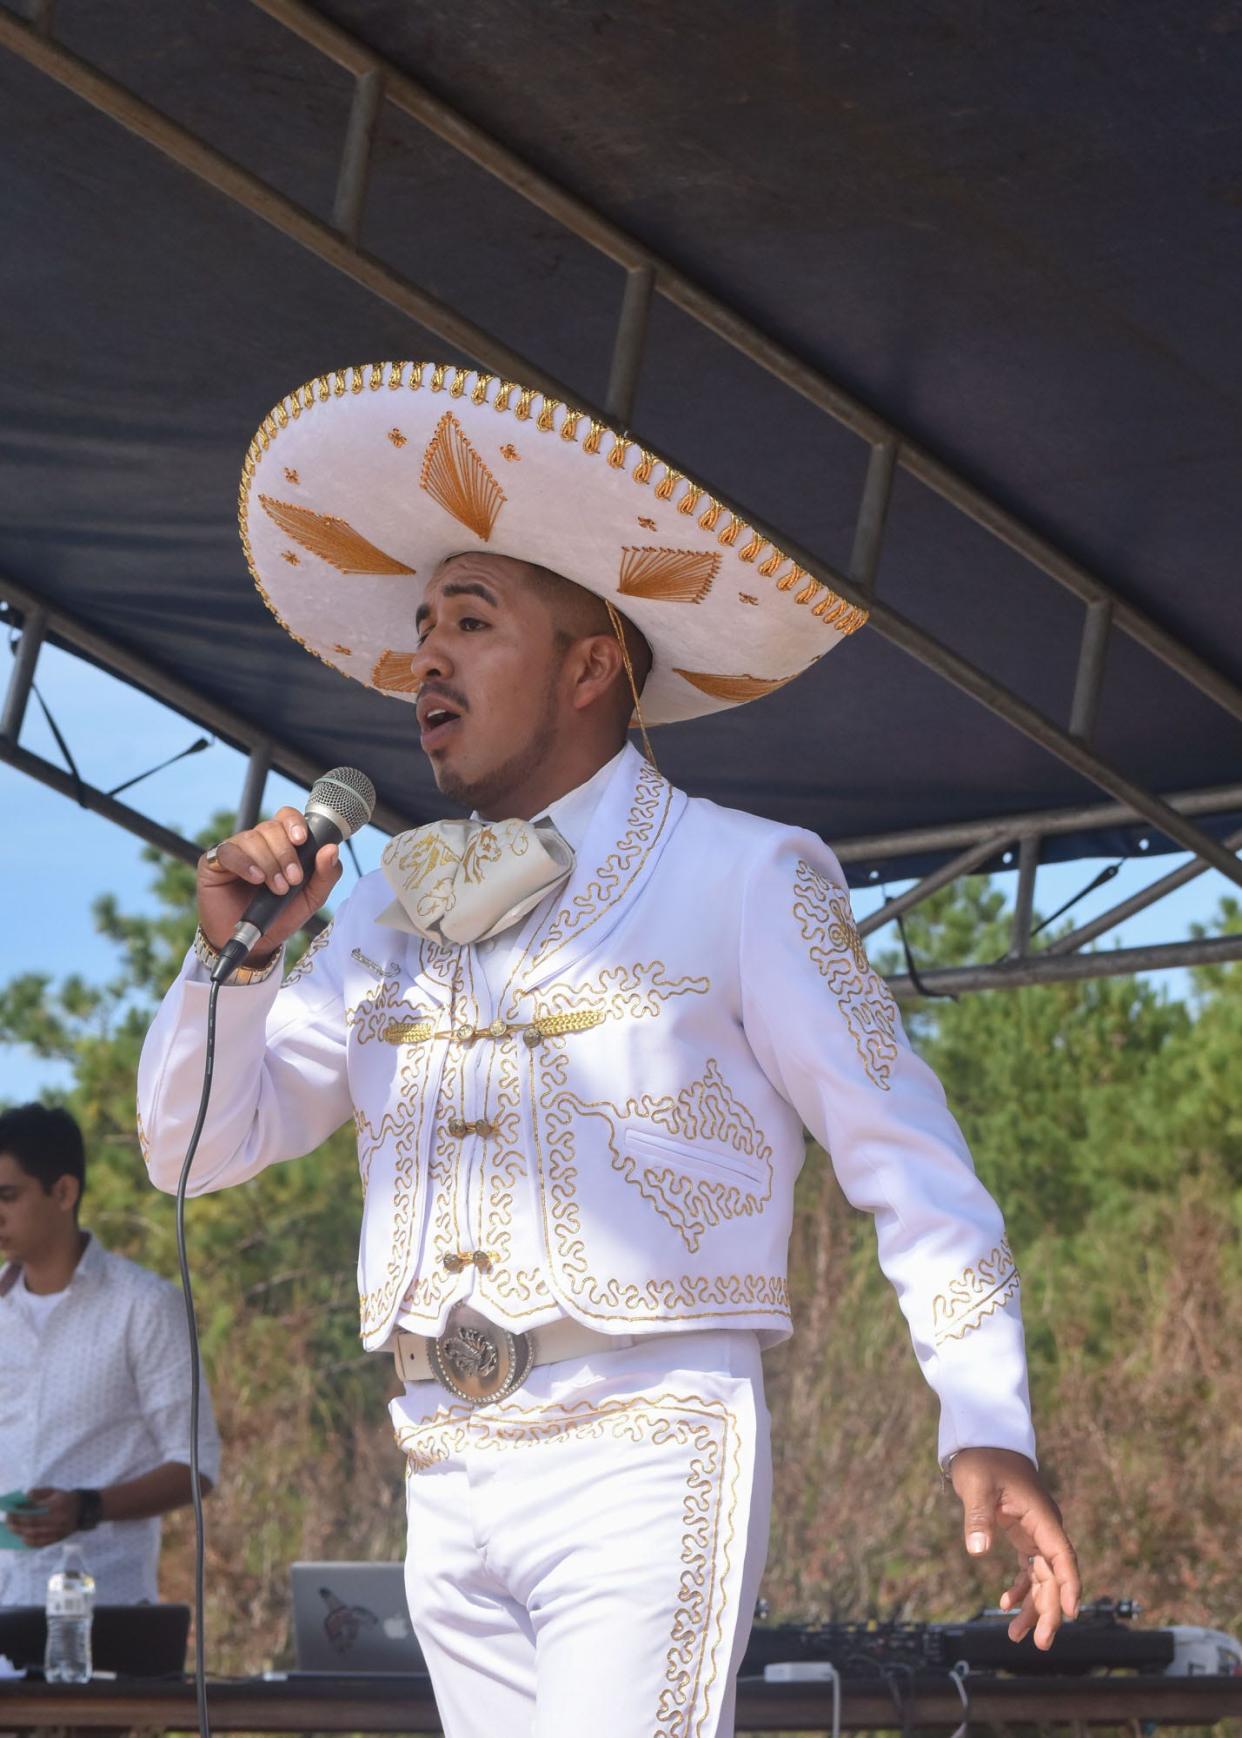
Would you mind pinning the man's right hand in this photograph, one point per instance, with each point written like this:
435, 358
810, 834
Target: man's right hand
263, 854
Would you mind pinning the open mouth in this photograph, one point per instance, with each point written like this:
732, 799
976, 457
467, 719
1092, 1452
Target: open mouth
437, 720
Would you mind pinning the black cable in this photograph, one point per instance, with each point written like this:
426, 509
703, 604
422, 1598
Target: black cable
912, 970
196, 747
1104, 876
200, 1657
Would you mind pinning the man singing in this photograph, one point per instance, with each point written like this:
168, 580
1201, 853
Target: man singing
580, 1036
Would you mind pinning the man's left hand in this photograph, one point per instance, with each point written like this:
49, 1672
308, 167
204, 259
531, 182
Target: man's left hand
58, 1520
1001, 1492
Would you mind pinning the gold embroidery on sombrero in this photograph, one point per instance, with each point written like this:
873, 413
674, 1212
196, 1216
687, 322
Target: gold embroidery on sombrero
733, 688
670, 575
291, 477
745, 597
291, 558
331, 539
455, 476
343, 651
397, 438
510, 452
394, 673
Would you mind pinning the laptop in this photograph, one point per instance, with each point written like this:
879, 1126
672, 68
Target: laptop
352, 1617
134, 1641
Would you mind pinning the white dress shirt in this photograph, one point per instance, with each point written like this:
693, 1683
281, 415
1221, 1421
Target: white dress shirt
94, 1391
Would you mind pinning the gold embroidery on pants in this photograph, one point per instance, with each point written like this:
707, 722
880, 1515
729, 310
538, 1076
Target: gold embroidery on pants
825, 919
708, 1431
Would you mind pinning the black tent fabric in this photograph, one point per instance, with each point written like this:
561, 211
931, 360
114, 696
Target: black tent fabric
1015, 230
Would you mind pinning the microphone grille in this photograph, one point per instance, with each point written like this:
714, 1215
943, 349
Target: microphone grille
347, 795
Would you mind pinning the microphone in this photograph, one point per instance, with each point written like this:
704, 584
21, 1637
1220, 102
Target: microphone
340, 804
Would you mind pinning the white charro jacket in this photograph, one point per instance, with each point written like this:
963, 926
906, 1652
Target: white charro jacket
618, 1137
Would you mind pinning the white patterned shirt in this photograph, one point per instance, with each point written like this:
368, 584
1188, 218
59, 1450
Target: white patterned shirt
95, 1393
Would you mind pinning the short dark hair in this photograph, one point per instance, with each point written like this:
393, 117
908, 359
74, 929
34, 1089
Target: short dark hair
46, 1143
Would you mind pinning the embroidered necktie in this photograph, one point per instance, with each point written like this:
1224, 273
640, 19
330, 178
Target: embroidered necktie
466, 881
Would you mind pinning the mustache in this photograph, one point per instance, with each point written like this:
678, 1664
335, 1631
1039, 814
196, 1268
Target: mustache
440, 691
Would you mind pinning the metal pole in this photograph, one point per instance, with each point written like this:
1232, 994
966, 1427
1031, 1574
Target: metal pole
351, 186
958, 866
872, 514
1071, 968
1024, 903
947, 836
627, 354
252, 790
1137, 902
21, 679
1090, 677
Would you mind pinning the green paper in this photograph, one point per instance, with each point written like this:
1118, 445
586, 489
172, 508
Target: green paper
16, 1502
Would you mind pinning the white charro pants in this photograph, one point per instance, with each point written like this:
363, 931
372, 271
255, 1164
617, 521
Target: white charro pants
584, 1557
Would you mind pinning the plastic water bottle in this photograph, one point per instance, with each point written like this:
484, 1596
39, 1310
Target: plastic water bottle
70, 1606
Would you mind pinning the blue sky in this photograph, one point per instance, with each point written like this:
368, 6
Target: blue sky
55, 858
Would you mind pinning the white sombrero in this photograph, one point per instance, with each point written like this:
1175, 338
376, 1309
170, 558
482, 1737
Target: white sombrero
361, 483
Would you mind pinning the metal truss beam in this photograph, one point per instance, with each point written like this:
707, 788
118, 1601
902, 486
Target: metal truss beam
1069, 968
241, 732
383, 80
1000, 829
472, 142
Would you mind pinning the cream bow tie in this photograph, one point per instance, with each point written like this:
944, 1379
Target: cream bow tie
465, 881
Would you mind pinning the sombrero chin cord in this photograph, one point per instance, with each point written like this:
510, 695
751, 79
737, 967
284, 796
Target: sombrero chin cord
200, 1668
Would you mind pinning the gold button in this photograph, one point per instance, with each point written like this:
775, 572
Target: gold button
498, 1029
457, 1128
531, 1037
464, 1034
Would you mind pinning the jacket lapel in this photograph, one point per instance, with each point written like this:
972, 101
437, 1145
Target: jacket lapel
625, 840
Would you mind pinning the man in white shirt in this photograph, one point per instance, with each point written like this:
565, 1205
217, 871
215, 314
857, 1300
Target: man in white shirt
580, 1036
94, 1379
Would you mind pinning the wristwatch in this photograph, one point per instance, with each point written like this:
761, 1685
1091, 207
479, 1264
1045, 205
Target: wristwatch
90, 1510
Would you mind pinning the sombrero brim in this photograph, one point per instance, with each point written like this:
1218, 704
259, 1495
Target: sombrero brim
361, 483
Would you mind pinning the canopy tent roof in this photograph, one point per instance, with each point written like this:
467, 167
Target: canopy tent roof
986, 253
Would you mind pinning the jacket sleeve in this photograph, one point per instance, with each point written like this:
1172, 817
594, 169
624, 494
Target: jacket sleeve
279, 1083
828, 1035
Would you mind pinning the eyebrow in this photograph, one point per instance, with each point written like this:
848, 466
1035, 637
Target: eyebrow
462, 588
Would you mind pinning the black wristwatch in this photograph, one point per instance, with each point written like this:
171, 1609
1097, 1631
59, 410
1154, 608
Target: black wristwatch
90, 1510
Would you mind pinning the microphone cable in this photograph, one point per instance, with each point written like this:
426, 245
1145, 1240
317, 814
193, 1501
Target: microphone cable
196, 1382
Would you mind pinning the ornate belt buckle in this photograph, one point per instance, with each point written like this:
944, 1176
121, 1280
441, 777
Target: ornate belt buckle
476, 1360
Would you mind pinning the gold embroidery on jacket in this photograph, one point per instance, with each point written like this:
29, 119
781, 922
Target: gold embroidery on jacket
653, 798
982, 1288
707, 1112
677, 1298
709, 1433
519, 1291
306, 964
825, 918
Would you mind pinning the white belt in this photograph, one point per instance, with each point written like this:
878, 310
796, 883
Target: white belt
417, 1356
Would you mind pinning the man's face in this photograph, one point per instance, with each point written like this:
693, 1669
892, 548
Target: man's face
31, 1221
489, 663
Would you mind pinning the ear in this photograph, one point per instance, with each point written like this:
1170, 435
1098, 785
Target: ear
66, 1192
595, 667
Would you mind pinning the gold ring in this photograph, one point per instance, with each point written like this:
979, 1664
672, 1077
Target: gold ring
212, 861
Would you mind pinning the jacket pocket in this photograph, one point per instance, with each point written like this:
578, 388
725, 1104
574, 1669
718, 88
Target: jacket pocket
720, 1164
